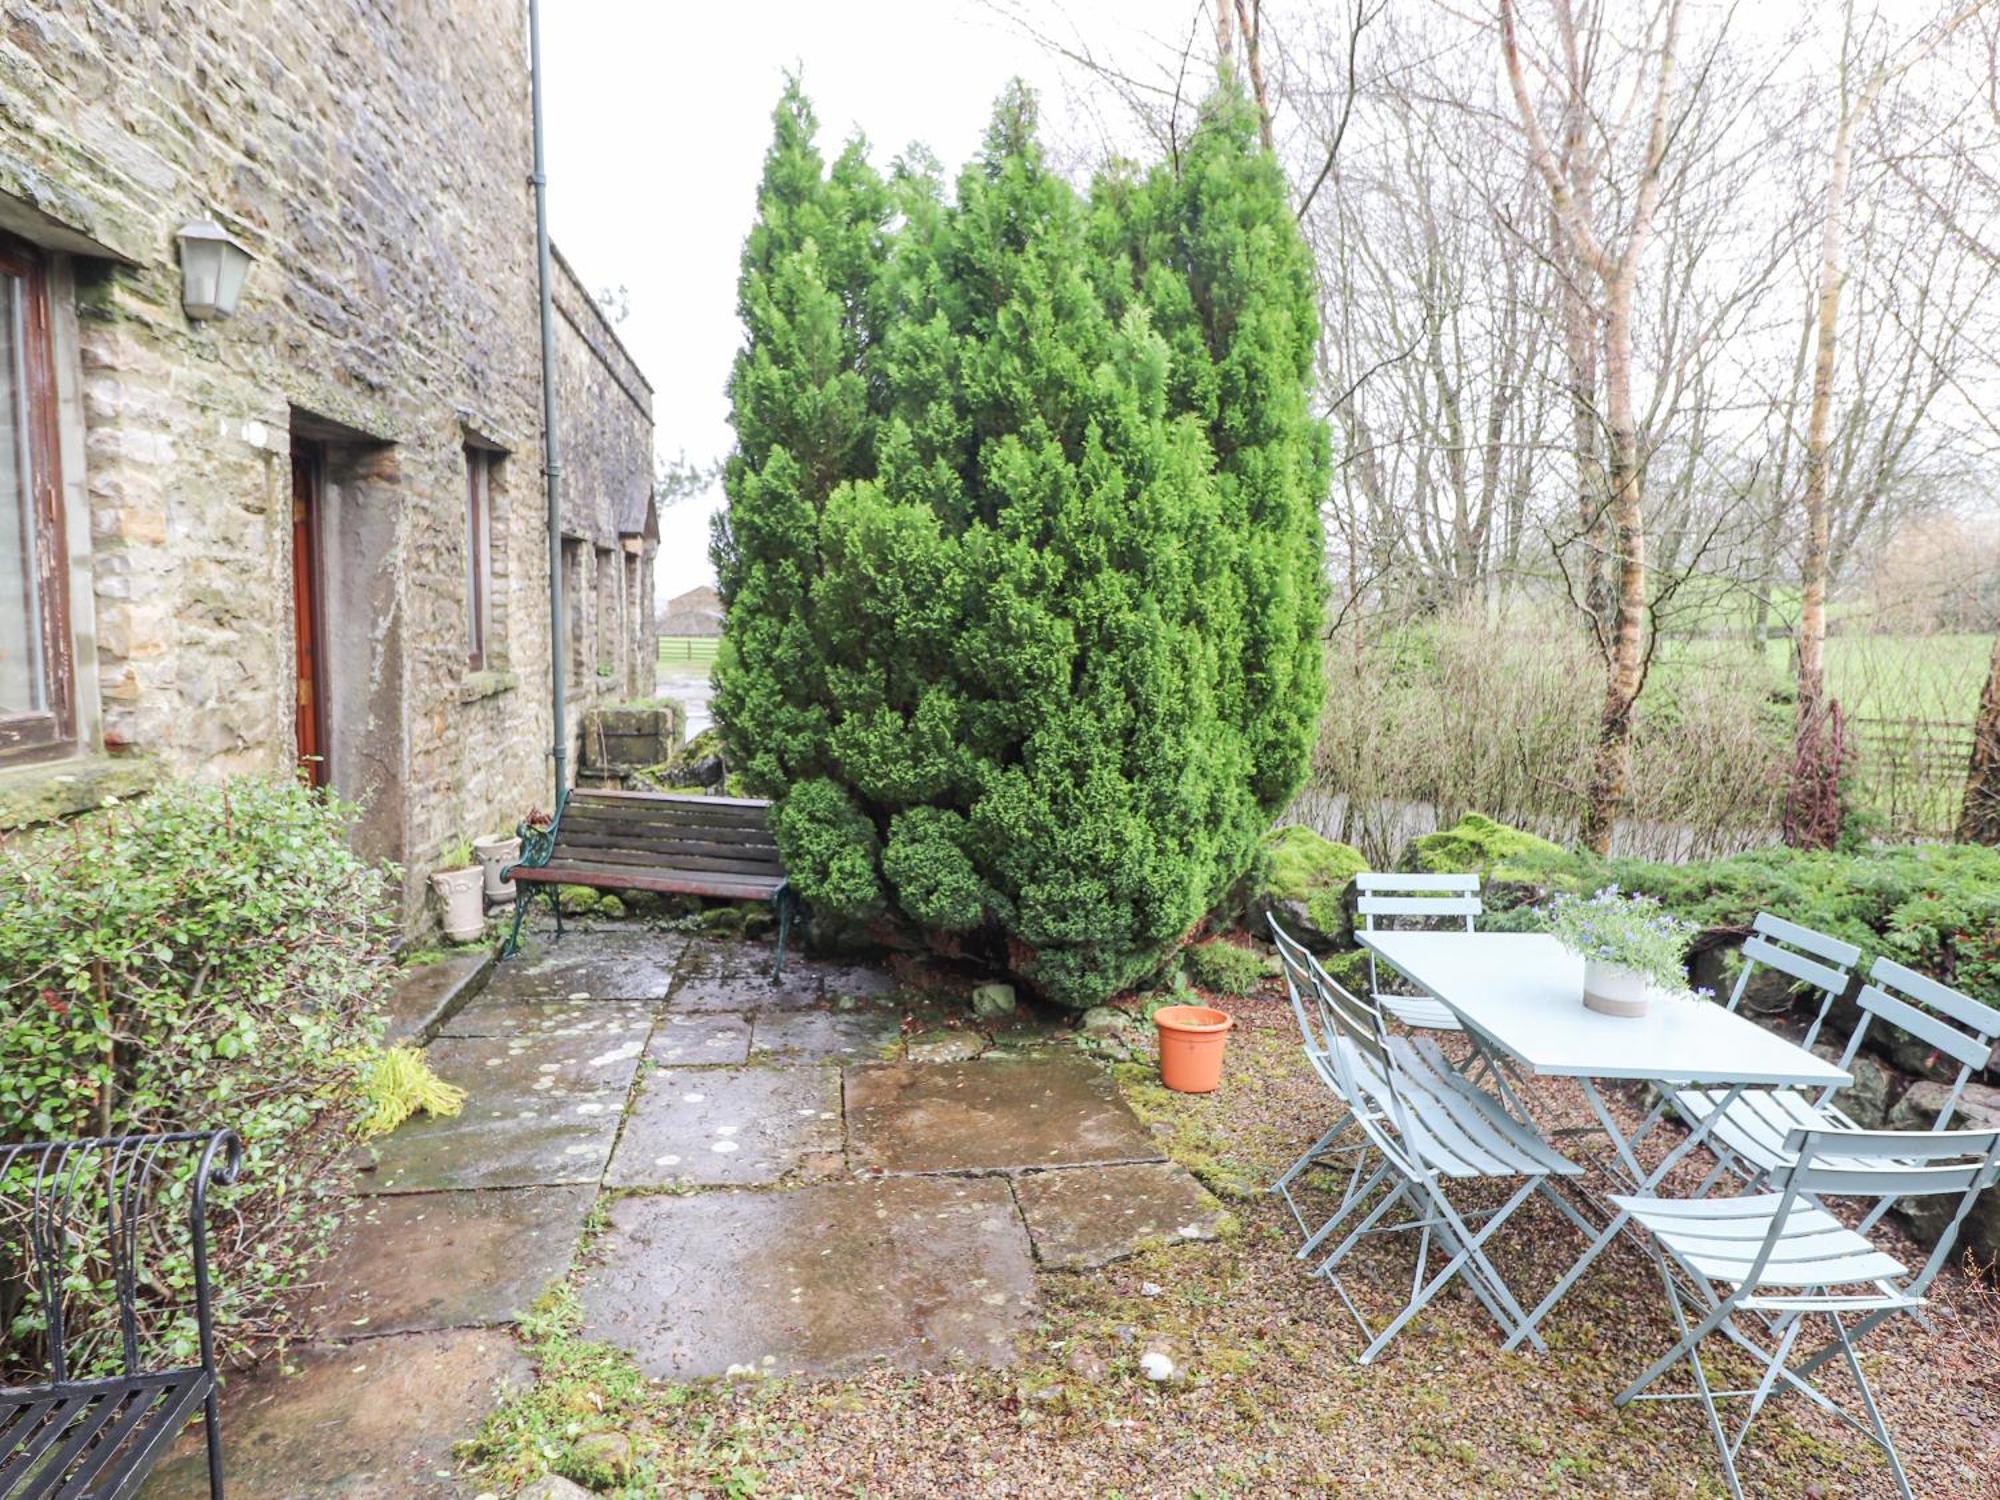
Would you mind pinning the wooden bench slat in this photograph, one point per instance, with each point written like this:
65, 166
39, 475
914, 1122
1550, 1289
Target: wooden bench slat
668, 843
643, 859
707, 833
686, 809
759, 804
683, 883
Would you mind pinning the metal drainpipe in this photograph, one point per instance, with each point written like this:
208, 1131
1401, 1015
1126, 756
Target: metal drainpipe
551, 453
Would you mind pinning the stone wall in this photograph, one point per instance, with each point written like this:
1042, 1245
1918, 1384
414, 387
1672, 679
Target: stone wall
375, 157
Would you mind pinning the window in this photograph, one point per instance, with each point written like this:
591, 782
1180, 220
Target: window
34, 630
579, 643
609, 613
479, 466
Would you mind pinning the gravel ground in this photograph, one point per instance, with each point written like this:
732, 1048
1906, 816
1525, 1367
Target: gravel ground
1266, 1398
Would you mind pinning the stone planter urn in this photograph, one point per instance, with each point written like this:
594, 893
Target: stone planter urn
1614, 990
460, 892
495, 853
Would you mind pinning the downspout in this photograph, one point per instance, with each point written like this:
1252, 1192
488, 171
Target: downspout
551, 453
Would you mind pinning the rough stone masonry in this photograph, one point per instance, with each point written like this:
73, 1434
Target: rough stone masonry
375, 159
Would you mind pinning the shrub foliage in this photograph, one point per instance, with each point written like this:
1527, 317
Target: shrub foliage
1022, 560
211, 956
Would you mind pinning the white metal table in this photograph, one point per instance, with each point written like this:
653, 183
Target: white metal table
1520, 996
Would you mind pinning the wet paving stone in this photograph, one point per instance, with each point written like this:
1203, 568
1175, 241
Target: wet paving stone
700, 1039
912, 1272
825, 1035
539, 1111
712, 1127
857, 981
1001, 1113
590, 967
369, 1421
737, 976
534, 1018
425, 992
420, 1262
1082, 1217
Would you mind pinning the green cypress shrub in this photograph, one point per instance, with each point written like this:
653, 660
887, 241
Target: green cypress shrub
1022, 563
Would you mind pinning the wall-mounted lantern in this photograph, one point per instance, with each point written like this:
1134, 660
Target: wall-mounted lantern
213, 265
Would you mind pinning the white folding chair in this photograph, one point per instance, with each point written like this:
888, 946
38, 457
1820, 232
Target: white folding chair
1421, 898
1297, 966
1750, 1136
1423, 1125
1781, 1256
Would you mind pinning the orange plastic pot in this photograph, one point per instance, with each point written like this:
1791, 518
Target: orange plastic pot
1191, 1042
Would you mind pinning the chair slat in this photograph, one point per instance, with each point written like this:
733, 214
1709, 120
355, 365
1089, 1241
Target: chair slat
1927, 1028
1806, 970
1418, 906
1381, 880
1835, 951
1911, 1145
1984, 1019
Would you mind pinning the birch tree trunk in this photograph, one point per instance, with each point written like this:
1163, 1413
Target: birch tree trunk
1625, 653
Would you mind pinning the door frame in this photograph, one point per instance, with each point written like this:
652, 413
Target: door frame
309, 612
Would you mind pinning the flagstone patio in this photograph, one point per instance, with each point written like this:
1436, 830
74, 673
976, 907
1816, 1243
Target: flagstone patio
806, 1175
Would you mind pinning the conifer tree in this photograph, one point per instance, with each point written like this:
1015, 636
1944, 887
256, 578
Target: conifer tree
1022, 564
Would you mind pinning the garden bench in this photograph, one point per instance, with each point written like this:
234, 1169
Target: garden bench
653, 841
113, 1384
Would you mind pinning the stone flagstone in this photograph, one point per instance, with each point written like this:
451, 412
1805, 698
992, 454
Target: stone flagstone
737, 976
369, 1421
589, 966
426, 993
701, 1039
1079, 1217
529, 1018
730, 1127
1000, 1113
419, 1262
826, 1035
539, 1111
913, 1272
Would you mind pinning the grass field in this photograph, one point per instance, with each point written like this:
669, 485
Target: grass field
1934, 677
679, 650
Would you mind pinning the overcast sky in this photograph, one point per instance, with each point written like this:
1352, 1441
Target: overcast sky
658, 116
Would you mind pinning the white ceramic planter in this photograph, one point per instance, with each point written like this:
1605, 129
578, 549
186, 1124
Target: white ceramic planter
495, 854
1613, 990
461, 892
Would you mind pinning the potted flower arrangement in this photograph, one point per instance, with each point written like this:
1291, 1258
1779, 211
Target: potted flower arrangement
1630, 945
459, 882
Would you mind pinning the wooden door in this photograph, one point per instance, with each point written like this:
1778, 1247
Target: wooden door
308, 616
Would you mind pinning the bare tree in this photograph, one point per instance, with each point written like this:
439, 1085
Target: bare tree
1810, 753
1616, 271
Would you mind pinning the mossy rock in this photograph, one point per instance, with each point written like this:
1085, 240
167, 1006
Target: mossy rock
1305, 885
577, 900
1517, 866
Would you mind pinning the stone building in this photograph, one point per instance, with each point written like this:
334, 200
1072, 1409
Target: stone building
313, 532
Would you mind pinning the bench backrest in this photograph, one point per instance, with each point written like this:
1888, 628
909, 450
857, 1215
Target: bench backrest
100, 1214
659, 831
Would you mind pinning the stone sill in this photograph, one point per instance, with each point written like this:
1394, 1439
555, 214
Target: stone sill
477, 685
51, 790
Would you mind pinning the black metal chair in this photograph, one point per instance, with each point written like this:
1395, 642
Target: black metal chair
111, 1396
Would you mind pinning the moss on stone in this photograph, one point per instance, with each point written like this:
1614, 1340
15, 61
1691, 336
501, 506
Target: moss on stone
1476, 844
46, 793
1310, 872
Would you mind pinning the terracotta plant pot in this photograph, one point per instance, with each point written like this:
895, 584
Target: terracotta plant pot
495, 853
1191, 1042
460, 893
1613, 990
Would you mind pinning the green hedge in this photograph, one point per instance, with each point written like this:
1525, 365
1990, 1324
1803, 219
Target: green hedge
1934, 907
213, 955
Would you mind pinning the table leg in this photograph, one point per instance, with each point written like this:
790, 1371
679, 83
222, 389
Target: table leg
1642, 1182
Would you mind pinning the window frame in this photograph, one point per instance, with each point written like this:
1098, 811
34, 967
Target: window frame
50, 730
479, 466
